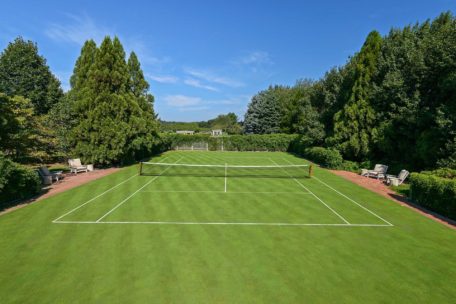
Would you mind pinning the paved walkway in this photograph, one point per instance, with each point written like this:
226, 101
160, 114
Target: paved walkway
74, 180
379, 187
70, 181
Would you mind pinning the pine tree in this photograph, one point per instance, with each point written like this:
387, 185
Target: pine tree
83, 65
354, 125
23, 72
263, 114
62, 117
115, 125
138, 84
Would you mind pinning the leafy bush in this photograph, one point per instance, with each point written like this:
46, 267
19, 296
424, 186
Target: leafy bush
434, 193
328, 158
442, 172
16, 182
351, 166
300, 143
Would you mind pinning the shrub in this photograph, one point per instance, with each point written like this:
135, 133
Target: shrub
16, 182
351, 166
328, 158
442, 172
434, 193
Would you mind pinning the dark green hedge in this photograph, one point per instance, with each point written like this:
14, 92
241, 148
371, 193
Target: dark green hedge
434, 193
266, 142
16, 182
328, 158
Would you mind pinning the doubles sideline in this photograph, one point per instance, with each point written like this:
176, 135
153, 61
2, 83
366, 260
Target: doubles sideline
350, 199
99, 195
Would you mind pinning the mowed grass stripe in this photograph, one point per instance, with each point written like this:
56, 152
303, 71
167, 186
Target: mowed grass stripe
412, 262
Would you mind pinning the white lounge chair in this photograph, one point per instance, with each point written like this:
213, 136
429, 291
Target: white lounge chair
49, 177
397, 180
76, 166
378, 172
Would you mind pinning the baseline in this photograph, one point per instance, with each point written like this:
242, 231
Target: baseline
223, 223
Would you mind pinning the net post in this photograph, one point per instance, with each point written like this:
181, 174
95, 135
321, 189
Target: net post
140, 168
310, 170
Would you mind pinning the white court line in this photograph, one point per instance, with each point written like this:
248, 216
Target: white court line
371, 212
231, 192
222, 223
299, 183
225, 176
122, 202
340, 193
94, 198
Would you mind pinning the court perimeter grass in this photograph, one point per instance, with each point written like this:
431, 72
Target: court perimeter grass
184, 239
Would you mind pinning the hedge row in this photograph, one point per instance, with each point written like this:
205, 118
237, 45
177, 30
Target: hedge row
328, 158
16, 182
267, 142
434, 193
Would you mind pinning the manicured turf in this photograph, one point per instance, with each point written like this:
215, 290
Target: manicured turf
182, 239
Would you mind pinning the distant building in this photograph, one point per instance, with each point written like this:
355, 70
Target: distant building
186, 132
217, 132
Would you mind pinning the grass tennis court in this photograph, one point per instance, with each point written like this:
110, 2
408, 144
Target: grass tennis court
224, 235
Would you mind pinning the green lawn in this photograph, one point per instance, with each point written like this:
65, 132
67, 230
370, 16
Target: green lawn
185, 239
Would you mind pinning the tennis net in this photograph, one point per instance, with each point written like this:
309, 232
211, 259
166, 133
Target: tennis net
268, 171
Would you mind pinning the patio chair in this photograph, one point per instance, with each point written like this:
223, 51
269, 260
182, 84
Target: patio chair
378, 172
76, 166
397, 180
49, 177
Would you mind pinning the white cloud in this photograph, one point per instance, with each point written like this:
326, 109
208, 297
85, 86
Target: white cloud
181, 101
256, 57
78, 30
211, 77
193, 109
163, 78
197, 84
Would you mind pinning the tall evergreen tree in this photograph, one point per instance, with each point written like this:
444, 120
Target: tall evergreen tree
114, 126
354, 125
138, 84
83, 65
64, 115
263, 114
23, 72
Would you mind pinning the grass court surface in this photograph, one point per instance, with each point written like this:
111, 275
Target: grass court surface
229, 237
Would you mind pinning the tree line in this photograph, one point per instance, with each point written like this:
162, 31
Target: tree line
393, 101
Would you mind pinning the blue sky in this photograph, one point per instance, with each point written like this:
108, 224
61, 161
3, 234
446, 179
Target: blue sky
203, 58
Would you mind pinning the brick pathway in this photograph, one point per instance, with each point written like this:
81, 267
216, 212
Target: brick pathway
70, 181
74, 180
